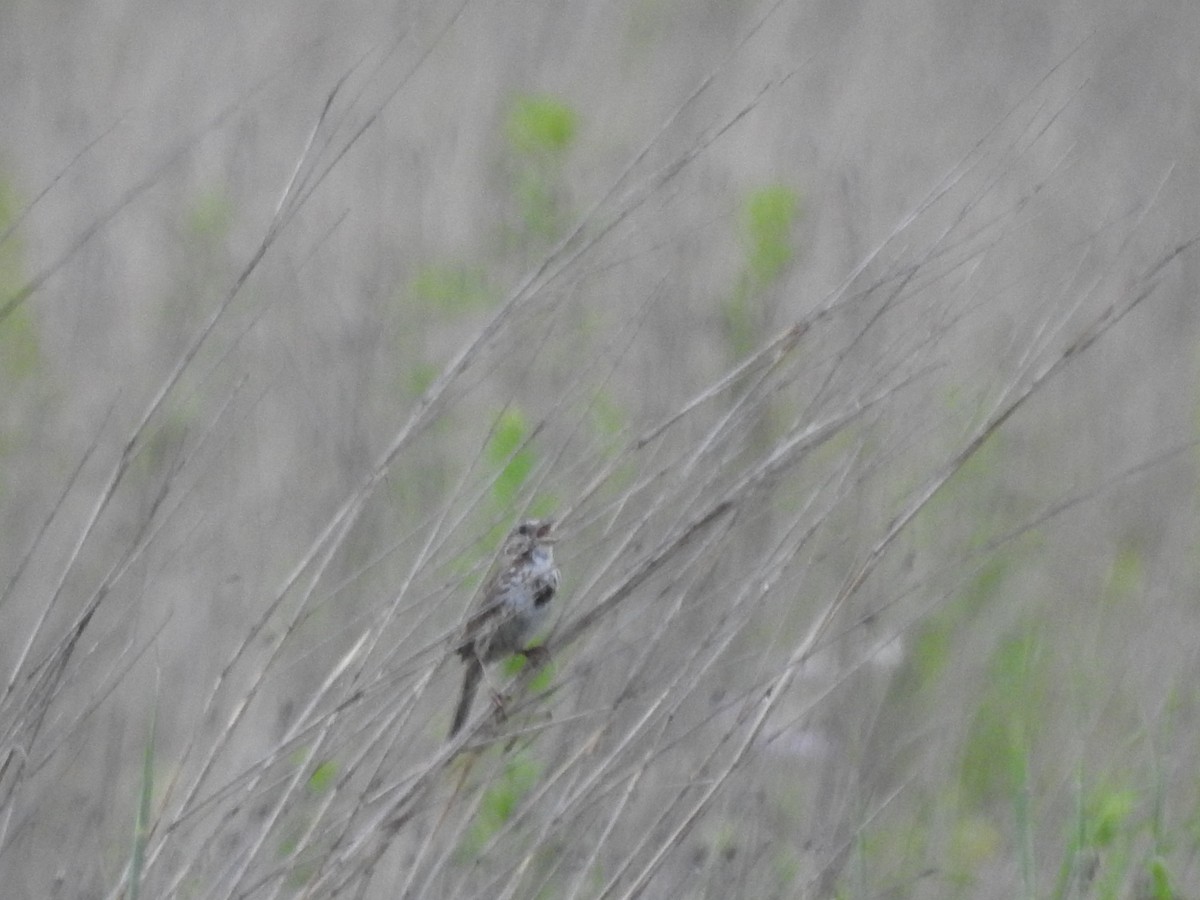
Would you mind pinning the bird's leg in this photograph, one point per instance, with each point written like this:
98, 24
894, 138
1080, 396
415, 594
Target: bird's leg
535, 657
498, 702
496, 694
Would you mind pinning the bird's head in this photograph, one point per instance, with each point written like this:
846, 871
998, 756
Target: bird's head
528, 534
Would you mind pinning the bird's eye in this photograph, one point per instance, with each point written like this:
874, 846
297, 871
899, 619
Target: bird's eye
523, 529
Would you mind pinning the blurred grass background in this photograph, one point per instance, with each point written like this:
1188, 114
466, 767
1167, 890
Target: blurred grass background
879, 570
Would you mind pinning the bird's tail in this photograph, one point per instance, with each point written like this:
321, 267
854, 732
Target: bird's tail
471, 678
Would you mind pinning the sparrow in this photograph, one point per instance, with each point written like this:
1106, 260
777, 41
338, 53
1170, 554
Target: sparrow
512, 607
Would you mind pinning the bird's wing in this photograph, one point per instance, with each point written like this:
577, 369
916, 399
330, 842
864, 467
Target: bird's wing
494, 602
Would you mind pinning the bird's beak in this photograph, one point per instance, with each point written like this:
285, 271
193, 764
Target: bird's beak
546, 535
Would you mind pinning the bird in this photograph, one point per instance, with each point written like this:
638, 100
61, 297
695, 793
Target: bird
512, 607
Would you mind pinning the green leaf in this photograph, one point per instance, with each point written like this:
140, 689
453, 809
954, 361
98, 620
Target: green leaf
541, 125
1106, 816
211, 216
451, 289
421, 376
1007, 722
141, 830
1126, 577
607, 418
504, 450
768, 218
1159, 880
322, 777
500, 801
